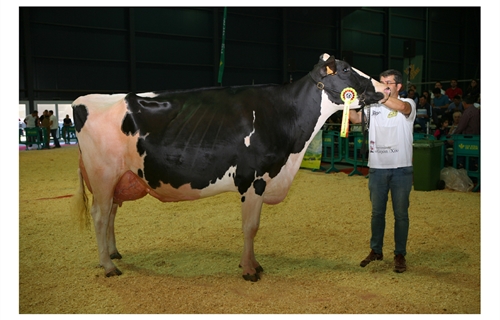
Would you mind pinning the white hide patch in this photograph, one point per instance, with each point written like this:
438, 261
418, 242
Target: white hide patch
147, 95
246, 140
361, 73
225, 184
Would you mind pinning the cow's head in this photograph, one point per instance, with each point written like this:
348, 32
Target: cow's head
334, 76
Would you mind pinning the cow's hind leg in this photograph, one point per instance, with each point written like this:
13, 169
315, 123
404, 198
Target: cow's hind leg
251, 209
113, 252
101, 212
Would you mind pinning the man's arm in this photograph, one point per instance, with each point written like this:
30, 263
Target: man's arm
398, 105
355, 116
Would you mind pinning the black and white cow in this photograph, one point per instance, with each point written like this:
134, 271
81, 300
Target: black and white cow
190, 144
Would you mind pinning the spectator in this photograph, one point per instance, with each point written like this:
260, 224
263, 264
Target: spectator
414, 88
455, 105
470, 119
66, 124
22, 125
31, 121
472, 90
469, 124
455, 122
390, 162
442, 130
423, 114
54, 127
437, 85
453, 90
427, 96
45, 121
412, 95
439, 104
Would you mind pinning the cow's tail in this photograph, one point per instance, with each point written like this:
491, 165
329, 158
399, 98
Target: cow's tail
81, 204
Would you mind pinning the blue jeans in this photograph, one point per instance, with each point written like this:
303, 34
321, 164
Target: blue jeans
399, 181
53, 133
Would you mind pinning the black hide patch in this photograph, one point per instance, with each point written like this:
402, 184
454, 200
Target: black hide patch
80, 115
195, 136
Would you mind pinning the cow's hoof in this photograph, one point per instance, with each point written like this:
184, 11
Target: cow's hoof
259, 269
115, 255
251, 277
114, 272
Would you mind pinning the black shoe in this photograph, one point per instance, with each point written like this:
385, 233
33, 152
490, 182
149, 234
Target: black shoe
399, 263
371, 257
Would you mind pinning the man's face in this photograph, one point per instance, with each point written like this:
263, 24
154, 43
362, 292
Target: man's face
453, 83
391, 85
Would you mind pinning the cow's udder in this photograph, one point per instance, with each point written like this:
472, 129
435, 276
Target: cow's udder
129, 188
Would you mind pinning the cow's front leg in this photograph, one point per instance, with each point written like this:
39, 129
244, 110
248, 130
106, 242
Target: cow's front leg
251, 209
100, 214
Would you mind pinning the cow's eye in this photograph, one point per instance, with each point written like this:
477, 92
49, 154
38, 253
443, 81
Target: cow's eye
345, 69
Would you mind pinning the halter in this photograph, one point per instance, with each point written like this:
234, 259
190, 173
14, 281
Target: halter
321, 86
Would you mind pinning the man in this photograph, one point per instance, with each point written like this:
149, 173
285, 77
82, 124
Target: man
469, 123
470, 120
390, 161
31, 121
66, 124
453, 90
423, 114
412, 95
45, 122
439, 86
54, 126
456, 105
439, 104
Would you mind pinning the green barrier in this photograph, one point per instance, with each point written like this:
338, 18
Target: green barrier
468, 147
338, 149
354, 142
332, 149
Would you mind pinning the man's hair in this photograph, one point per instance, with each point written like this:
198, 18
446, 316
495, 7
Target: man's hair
469, 100
436, 91
457, 96
391, 72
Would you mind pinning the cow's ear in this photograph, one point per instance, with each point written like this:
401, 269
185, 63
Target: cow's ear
329, 67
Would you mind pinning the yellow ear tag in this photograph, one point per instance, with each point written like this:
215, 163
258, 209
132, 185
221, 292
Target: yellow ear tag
328, 70
348, 95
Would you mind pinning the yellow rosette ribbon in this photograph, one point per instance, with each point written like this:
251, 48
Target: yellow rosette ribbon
347, 95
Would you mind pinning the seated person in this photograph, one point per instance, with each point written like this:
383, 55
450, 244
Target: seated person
423, 113
455, 105
439, 104
442, 130
454, 123
469, 124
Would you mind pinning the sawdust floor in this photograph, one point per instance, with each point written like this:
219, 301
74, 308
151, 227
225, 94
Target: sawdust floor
182, 258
